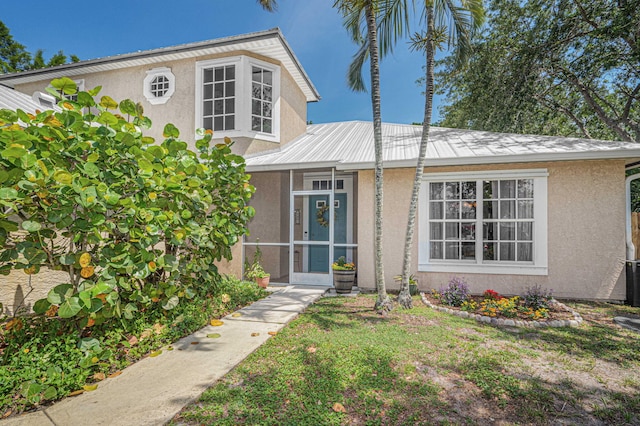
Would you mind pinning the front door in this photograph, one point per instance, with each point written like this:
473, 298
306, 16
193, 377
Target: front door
319, 218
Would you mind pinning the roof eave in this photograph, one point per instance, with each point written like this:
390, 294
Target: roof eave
76, 68
457, 161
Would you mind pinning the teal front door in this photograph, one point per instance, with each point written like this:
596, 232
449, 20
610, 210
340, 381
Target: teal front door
340, 226
319, 222
319, 217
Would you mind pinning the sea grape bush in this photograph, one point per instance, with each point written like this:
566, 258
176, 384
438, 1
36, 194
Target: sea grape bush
132, 222
455, 293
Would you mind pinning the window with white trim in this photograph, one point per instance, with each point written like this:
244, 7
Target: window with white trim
261, 99
238, 97
218, 99
159, 85
492, 222
44, 99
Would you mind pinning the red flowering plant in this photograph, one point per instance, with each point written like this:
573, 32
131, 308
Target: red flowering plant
492, 295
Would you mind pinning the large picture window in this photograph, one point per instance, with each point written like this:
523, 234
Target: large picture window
484, 222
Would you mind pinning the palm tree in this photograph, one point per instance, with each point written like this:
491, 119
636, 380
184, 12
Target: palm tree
268, 5
453, 21
366, 21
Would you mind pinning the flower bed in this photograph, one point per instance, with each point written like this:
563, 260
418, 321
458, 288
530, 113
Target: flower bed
535, 308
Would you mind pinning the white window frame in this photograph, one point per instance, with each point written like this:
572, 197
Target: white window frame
40, 97
539, 265
148, 80
243, 66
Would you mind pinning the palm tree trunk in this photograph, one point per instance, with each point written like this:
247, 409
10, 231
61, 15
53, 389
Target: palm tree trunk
404, 298
383, 301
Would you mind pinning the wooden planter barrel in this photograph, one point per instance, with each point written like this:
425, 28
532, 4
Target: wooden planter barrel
343, 281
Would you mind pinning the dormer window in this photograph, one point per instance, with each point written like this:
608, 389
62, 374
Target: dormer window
238, 97
159, 85
43, 99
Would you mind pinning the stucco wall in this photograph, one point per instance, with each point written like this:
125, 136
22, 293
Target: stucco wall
586, 231
180, 109
21, 290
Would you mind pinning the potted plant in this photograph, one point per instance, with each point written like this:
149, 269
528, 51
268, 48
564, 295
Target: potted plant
413, 283
262, 277
255, 271
344, 274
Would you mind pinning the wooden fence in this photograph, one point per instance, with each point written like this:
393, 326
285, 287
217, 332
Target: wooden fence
635, 232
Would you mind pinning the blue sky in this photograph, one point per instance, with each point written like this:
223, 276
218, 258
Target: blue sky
312, 27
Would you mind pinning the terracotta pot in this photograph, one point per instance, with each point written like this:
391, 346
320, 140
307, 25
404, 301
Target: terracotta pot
343, 281
263, 282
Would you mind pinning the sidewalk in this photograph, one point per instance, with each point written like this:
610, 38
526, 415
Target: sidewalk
153, 390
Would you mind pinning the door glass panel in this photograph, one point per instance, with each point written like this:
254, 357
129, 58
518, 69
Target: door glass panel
312, 221
311, 259
271, 203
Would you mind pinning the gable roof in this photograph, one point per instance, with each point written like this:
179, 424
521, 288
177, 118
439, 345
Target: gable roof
349, 146
13, 100
269, 43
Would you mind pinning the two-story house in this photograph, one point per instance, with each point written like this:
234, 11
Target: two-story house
504, 211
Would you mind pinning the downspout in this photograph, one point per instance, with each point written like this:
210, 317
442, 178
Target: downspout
631, 249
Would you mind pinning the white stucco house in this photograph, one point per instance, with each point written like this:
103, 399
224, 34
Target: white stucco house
504, 211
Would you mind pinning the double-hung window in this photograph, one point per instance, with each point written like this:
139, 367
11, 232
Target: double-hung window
261, 100
491, 222
218, 98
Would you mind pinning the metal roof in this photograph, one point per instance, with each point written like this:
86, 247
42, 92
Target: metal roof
13, 100
349, 146
269, 43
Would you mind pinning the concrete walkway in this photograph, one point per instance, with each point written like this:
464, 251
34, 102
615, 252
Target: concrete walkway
630, 323
153, 390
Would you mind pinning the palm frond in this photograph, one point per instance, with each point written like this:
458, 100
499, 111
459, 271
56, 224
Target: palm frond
355, 80
268, 5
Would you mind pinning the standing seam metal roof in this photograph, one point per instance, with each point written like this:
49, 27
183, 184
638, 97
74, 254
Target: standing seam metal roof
13, 100
349, 145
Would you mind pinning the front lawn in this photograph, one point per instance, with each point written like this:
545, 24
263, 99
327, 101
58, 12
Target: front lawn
341, 363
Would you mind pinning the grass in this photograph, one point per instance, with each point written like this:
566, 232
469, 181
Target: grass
340, 363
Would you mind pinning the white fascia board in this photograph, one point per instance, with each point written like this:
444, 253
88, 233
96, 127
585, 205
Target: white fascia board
498, 159
290, 166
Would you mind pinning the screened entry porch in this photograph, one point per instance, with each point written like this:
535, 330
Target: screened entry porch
304, 221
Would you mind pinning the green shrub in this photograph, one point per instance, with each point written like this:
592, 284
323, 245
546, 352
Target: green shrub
455, 293
133, 223
535, 297
42, 359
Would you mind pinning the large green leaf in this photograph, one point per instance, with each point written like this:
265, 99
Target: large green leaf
41, 306
59, 293
70, 307
91, 170
170, 131
67, 259
63, 177
65, 85
31, 226
171, 303
108, 103
127, 106
8, 193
